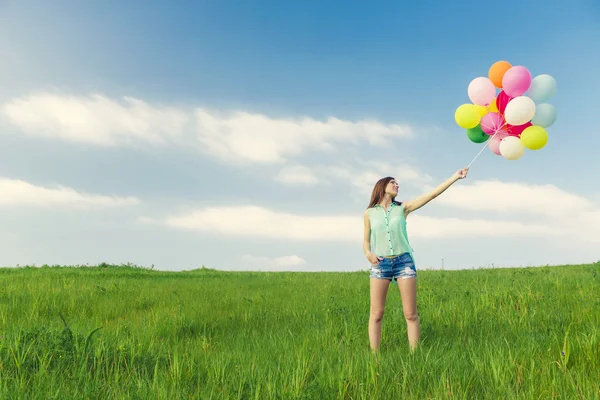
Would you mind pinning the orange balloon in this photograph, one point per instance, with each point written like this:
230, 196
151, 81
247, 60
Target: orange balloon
497, 71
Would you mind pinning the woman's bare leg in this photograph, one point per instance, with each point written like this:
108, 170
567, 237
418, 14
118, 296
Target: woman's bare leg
379, 289
408, 292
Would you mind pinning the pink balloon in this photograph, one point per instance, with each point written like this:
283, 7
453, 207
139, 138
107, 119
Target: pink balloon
481, 91
494, 142
516, 130
516, 81
492, 123
502, 101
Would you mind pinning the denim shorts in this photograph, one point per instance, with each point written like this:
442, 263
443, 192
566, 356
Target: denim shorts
393, 268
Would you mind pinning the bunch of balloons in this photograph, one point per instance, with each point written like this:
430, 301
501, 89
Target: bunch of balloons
514, 119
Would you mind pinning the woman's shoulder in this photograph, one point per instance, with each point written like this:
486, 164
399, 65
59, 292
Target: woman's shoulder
399, 206
368, 212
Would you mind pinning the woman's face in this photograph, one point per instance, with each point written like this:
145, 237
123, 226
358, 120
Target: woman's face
392, 188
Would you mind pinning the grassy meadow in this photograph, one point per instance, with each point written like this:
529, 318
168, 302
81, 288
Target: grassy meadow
128, 332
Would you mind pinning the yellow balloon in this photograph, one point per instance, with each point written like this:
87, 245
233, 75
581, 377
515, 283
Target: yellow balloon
534, 137
481, 110
492, 107
467, 116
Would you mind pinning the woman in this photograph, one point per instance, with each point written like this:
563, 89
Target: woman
391, 258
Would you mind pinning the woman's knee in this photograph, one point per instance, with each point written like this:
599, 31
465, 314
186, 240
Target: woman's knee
376, 315
411, 316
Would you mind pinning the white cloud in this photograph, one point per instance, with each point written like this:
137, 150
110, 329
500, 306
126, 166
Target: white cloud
274, 263
261, 222
233, 137
95, 119
253, 221
556, 211
16, 193
584, 226
499, 209
261, 139
516, 198
430, 227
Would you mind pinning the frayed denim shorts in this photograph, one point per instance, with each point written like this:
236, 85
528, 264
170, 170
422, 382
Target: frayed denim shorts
393, 268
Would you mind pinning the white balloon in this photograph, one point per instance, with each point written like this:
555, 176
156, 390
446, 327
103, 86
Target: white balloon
481, 91
511, 148
519, 110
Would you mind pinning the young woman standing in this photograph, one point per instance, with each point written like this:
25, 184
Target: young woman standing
391, 258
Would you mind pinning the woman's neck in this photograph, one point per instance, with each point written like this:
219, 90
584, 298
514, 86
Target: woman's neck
386, 202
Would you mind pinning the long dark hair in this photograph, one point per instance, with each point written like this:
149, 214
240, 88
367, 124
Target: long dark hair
379, 192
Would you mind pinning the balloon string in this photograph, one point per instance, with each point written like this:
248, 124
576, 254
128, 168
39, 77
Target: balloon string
483, 148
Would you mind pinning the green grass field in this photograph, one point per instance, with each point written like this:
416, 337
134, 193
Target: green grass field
135, 333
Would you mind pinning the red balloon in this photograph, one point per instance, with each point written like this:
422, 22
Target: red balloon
516, 130
501, 101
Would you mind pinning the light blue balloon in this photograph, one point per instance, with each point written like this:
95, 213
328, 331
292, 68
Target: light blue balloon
542, 88
545, 115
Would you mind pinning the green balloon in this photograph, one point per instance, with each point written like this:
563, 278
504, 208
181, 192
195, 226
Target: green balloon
476, 135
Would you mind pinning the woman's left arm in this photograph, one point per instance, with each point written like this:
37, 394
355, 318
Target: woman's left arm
413, 205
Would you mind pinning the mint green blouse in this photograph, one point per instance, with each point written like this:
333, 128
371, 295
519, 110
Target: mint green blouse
388, 230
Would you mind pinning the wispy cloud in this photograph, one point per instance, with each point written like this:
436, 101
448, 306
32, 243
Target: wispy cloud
235, 137
257, 138
19, 193
365, 173
95, 119
359, 174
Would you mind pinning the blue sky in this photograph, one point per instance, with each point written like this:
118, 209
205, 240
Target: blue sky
232, 134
